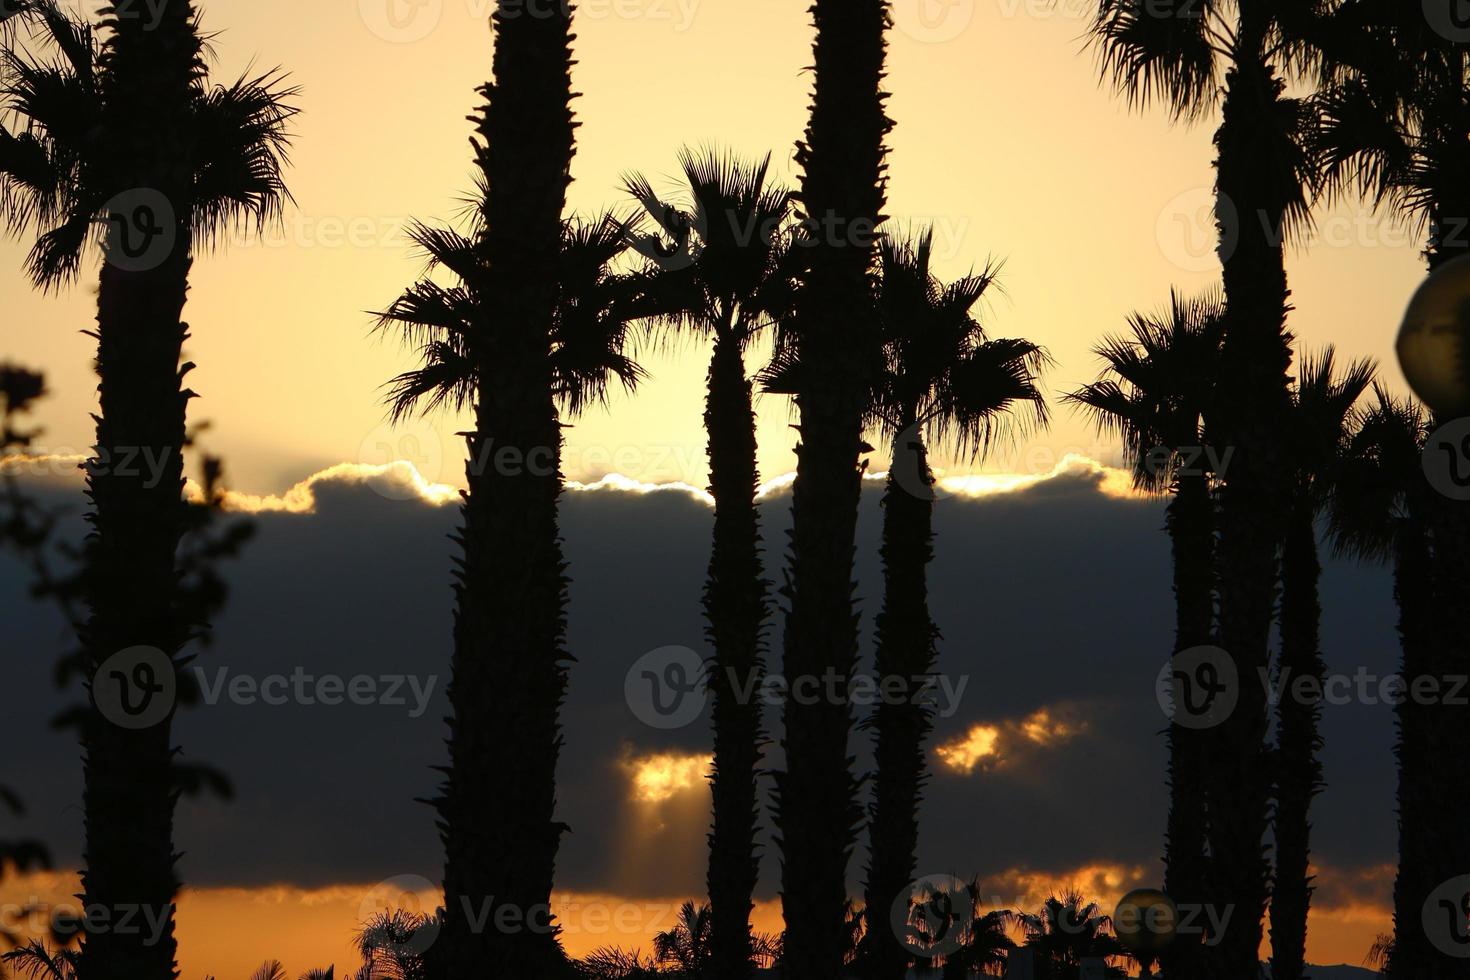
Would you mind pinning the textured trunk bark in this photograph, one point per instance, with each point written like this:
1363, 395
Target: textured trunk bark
905, 651
1299, 769
1254, 400
1191, 525
1421, 819
135, 481
735, 607
842, 197
509, 671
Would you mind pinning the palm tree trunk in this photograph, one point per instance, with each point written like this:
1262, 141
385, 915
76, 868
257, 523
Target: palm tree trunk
1298, 767
135, 482
1191, 525
735, 606
1421, 820
842, 197
905, 652
509, 670
132, 593
1448, 656
1254, 399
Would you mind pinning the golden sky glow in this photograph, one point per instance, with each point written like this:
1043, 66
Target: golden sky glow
660, 777
1004, 142
989, 746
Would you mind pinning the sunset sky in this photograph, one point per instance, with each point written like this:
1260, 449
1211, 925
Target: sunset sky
1006, 143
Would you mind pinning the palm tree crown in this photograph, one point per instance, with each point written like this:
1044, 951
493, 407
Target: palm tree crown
595, 307
64, 166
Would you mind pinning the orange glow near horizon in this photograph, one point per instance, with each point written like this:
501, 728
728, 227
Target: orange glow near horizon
228, 932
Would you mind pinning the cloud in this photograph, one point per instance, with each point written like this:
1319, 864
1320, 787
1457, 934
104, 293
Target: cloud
1053, 598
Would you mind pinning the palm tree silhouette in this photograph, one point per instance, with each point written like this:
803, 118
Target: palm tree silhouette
125, 143
722, 269
496, 807
942, 382
686, 947
1067, 930
499, 691
1394, 112
37, 960
1186, 56
1380, 512
842, 196
1318, 432
1156, 393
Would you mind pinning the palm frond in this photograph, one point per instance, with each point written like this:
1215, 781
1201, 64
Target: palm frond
242, 145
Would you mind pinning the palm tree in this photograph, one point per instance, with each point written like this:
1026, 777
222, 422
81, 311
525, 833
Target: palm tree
509, 698
393, 946
612, 963
496, 807
1394, 108
842, 195
126, 133
1187, 56
35, 960
1318, 433
1156, 394
1067, 930
686, 947
728, 281
1381, 512
943, 382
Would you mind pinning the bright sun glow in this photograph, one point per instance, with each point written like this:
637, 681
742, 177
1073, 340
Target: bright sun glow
964, 754
661, 777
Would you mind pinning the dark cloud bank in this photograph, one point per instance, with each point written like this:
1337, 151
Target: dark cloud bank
1054, 597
